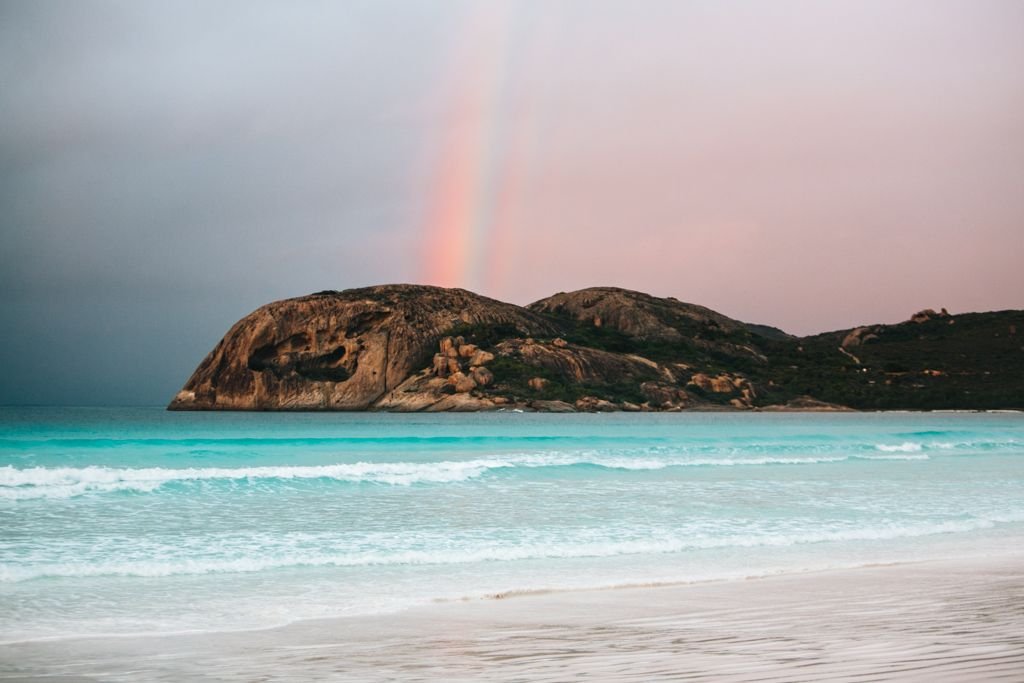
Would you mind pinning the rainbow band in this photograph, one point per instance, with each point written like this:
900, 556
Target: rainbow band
462, 212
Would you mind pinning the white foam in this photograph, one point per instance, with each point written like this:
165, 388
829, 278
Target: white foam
491, 552
905, 447
67, 482
64, 482
897, 456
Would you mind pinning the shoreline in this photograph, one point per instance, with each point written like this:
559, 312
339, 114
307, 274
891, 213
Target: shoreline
950, 619
484, 598
527, 408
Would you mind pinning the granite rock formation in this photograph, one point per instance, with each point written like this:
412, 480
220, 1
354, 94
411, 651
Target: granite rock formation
637, 315
418, 348
339, 350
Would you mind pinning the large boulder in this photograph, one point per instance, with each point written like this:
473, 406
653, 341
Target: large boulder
343, 350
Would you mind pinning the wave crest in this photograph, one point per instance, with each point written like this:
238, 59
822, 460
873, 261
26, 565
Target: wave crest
905, 447
68, 482
491, 553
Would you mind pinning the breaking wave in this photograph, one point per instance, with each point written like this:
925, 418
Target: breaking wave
68, 482
489, 553
27, 483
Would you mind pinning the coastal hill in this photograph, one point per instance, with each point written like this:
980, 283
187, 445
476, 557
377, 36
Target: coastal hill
411, 348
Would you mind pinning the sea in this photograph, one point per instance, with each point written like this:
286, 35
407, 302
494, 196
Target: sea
118, 521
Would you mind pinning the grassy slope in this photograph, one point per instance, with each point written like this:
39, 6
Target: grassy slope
975, 362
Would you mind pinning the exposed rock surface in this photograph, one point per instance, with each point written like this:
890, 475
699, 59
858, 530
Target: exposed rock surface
664, 396
741, 392
858, 337
552, 407
575, 363
633, 313
928, 314
593, 404
416, 348
338, 350
452, 382
805, 404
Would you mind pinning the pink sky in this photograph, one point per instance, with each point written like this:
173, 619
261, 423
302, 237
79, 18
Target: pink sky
805, 164
166, 168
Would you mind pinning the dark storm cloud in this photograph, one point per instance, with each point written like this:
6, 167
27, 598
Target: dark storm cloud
196, 136
166, 167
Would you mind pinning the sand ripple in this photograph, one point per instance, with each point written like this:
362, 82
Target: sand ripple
941, 621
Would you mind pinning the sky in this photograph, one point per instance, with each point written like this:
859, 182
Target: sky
166, 168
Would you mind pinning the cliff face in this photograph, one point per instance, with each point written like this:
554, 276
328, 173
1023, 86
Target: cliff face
338, 350
411, 348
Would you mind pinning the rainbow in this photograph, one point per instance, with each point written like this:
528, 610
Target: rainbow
473, 180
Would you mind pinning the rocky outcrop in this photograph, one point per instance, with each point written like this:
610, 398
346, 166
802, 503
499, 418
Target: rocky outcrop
593, 404
635, 314
928, 314
414, 348
577, 364
538, 383
342, 350
551, 407
858, 336
454, 381
696, 333
664, 396
806, 404
740, 391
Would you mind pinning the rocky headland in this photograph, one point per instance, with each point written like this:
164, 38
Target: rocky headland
419, 348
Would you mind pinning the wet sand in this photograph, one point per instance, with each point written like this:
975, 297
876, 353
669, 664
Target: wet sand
957, 620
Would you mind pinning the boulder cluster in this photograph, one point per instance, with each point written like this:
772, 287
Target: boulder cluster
726, 383
461, 365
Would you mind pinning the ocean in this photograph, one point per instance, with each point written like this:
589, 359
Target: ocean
117, 521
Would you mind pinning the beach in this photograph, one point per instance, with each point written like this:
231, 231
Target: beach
138, 544
942, 620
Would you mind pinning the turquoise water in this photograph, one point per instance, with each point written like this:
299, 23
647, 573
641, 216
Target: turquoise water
116, 521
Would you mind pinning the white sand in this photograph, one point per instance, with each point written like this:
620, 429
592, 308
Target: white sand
959, 620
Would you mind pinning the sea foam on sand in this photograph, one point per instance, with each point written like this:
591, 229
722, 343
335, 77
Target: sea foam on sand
948, 620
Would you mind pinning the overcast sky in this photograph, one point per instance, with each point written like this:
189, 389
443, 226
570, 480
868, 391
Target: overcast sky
167, 167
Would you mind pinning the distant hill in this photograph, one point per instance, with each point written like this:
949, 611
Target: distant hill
411, 347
